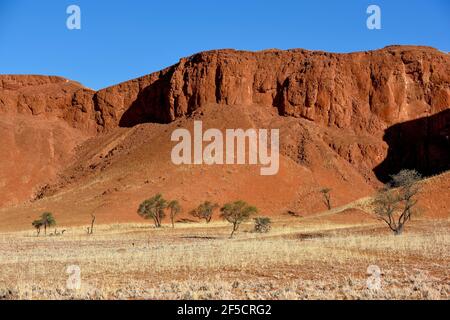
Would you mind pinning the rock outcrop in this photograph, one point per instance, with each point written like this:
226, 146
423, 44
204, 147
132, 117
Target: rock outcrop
365, 91
48, 97
347, 121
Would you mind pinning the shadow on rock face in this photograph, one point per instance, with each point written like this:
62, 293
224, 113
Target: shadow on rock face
151, 105
422, 144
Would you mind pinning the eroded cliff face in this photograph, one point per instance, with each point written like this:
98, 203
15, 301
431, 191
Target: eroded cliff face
358, 94
48, 97
364, 91
352, 109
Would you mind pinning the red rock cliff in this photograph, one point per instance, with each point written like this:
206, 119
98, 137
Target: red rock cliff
365, 91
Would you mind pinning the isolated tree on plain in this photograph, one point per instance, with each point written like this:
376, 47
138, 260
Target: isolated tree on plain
175, 209
396, 202
326, 197
236, 213
47, 220
262, 224
37, 224
205, 211
153, 208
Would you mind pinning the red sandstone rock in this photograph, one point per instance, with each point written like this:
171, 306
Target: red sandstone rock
48, 97
365, 90
334, 111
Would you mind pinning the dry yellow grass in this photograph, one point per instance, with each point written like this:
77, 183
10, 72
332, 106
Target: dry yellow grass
298, 259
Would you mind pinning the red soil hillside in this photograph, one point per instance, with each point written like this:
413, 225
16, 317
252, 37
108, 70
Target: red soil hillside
75, 151
41, 121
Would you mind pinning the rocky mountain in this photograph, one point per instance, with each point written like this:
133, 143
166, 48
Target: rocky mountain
346, 121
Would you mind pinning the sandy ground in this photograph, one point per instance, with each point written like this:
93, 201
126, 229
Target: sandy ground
300, 258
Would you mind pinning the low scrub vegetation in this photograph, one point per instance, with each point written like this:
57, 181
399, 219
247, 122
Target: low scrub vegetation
262, 224
46, 220
175, 209
153, 208
204, 211
393, 204
236, 213
396, 202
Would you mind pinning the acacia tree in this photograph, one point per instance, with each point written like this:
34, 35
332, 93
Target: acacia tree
175, 209
396, 202
326, 196
153, 208
205, 211
37, 224
47, 220
236, 213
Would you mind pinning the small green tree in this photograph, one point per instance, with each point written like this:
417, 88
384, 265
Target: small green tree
175, 209
205, 211
153, 208
37, 224
47, 220
236, 213
326, 197
396, 202
262, 224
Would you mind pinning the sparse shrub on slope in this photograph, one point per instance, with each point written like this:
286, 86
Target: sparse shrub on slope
396, 202
326, 197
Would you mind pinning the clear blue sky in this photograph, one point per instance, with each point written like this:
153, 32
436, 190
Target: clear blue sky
121, 40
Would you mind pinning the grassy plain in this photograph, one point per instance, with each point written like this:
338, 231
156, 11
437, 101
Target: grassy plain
314, 258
